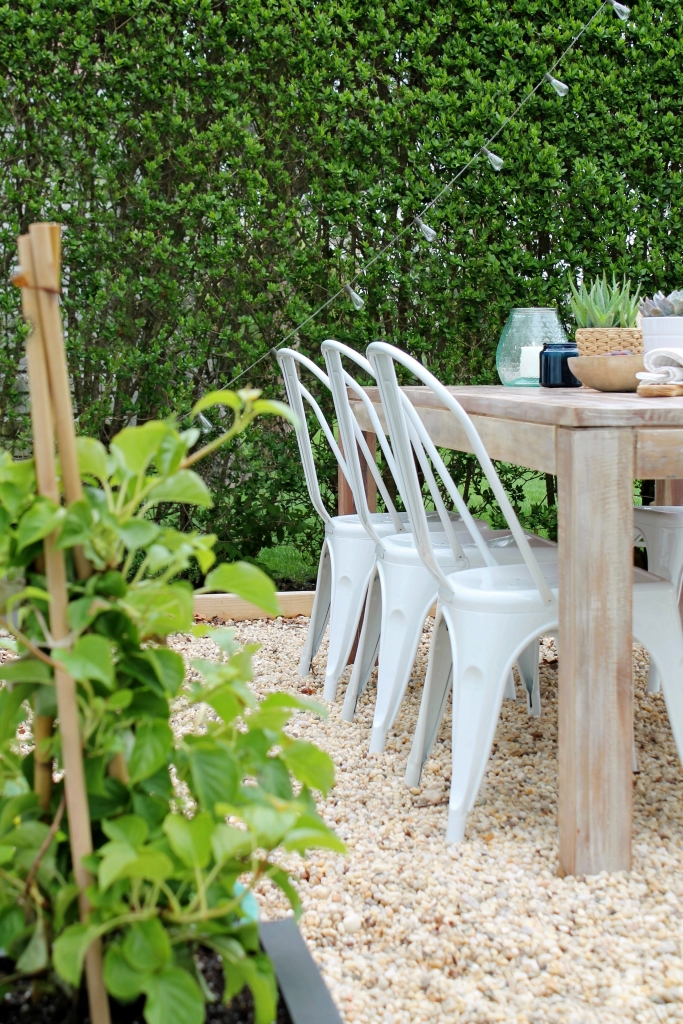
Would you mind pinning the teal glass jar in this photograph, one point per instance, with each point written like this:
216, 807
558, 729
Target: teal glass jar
519, 349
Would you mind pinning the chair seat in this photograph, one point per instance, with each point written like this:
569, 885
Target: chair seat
665, 513
510, 588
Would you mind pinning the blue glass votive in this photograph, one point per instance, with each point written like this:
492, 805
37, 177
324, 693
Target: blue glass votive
554, 371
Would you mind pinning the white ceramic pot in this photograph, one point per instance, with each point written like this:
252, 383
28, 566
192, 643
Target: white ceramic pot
662, 332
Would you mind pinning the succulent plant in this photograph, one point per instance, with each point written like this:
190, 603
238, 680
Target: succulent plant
663, 305
605, 305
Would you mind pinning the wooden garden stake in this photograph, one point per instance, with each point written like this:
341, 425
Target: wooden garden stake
46, 248
55, 570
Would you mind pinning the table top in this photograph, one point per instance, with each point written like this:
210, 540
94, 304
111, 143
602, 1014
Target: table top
566, 407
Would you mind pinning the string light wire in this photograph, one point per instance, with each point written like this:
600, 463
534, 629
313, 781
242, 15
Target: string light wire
344, 290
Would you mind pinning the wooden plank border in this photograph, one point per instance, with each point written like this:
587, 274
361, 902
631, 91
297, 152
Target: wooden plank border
228, 606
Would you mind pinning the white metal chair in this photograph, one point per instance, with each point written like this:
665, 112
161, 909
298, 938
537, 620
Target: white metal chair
403, 589
661, 528
487, 616
347, 558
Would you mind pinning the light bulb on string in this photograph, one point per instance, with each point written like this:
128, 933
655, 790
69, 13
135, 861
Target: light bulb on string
560, 88
495, 161
429, 233
620, 11
358, 303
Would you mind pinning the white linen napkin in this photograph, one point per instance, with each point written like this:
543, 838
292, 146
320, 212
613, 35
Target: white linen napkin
662, 366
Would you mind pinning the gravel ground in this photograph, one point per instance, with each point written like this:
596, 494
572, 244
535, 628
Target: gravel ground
406, 929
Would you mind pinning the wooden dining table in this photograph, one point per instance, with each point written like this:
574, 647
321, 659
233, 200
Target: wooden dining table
596, 444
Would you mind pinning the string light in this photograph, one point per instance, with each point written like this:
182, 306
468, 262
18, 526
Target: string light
620, 11
560, 88
495, 161
358, 303
429, 233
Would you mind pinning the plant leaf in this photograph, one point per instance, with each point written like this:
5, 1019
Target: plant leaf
92, 457
137, 446
184, 487
310, 765
152, 748
215, 774
230, 398
38, 522
122, 981
35, 956
91, 657
146, 946
190, 838
248, 582
68, 951
173, 997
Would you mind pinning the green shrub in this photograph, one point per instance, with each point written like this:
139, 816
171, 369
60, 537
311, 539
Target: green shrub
173, 870
220, 168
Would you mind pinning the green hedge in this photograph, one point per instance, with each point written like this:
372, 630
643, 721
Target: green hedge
222, 167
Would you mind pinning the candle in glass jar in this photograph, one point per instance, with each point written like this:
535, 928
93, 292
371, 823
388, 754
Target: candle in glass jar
529, 361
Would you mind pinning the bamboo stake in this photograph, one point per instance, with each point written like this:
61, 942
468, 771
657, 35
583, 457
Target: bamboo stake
43, 437
46, 247
42, 762
55, 570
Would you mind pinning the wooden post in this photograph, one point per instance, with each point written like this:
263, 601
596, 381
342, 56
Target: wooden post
345, 503
46, 246
595, 476
668, 492
80, 836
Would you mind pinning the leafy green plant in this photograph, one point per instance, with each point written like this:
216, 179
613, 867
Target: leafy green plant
604, 305
221, 167
286, 564
173, 868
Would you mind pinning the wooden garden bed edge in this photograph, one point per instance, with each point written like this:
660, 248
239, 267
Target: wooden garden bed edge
228, 606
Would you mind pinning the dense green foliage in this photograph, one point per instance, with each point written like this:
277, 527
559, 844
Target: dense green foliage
173, 868
222, 167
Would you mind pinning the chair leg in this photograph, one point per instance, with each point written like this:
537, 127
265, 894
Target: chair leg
484, 644
527, 664
510, 689
434, 696
352, 565
407, 595
368, 646
656, 623
320, 612
653, 682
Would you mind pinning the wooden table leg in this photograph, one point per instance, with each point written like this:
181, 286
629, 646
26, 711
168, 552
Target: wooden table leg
346, 507
345, 502
668, 492
595, 473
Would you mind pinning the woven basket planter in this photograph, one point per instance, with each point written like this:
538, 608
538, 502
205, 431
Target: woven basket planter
599, 341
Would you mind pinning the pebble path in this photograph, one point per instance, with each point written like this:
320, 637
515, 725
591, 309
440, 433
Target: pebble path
407, 929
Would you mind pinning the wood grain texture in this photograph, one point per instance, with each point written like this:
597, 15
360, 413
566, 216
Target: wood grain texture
595, 473
660, 390
526, 444
659, 453
228, 606
562, 407
669, 492
345, 503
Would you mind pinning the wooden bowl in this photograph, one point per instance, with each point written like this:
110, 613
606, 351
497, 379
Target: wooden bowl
607, 373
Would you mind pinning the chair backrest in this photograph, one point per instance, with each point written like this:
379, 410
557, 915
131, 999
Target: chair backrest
408, 435
289, 360
340, 381
351, 435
